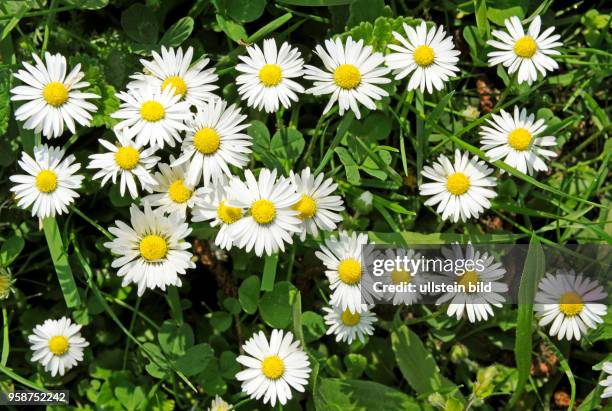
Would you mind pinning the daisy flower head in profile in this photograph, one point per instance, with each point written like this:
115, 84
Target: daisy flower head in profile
129, 161
516, 139
607, 382
268, 76
342, 257
429, 55
54, 98
352, 75
152, 250
572, 302
218, 404
215, 141
173, 193
50, 183
477, 304
273, 367
153, 116
462, 189
173, 68
526, 53
57, 345
214, 208
348, 326
269, 220
6, 283
317, 208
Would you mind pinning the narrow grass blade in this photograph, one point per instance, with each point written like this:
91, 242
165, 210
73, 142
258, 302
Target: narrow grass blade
269, 28
269, 273
297, 319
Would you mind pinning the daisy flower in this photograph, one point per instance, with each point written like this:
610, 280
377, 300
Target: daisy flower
316, 207
402, 276
57, 345
214, 141
173, 69
527, 53
569, 301
429, 55
53, 98
342, 257
6, 283
478, 305
173, 192
514, 139
348, 326
153, 250
607, 382
153, 116
270, 220
351, 77
461, 190
214, 208
129, 161
273, 368
218, 404
268, 76
50, 183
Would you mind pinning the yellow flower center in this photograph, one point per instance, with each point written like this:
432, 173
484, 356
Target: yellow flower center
519, 139
571, 303
401, 277
55, 93
46, 181
349, 271
178, 192
525, 47
469, 278
424, 55
350, 319
306, 206
263, 211
207, 140
270, 75
153, 247
227, 214
457, 184
152, 111
58, 345
347, 76
273, 367
180, 87
127, 157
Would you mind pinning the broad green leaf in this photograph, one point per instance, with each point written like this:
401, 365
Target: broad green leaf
221, 321
195, 359
228, 365
269, 28
500, 10
177, 33
316, 3
10, 250
366, 10
248, 294
233, 30
240, 10
261, 145
275, 306
350, 167
355, 364
287, 145
480, 7
140, 24
313, 325
175, 339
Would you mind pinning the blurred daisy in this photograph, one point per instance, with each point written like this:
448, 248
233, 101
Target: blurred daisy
57, 345
270, 221
173, 69
478, 305
219, 405
53, 98
429, 55
153, 116
514, 140
316, 207
568, 301
214, 208
153, 250
273, 368
129, 161
6, 283
173, 193
402, 276
527, 53
50, 183
607, 382
214, 141
351, 77
348, 326
461, 190
268, 76
342, 258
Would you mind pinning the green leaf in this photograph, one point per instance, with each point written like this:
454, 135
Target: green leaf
350, 167
195, 359
275, 306
334, 394
228, 365
500, 10
140, 24
297, 319
366, 10
439, 109
313, 325
480, 7
177, 33
221, 321
232, 29
10, 250
89, 4
5, 102
269, 273
287, 145
175, 339
355, 364
316, 3
261, 144
248, 294
269, 28
240, 10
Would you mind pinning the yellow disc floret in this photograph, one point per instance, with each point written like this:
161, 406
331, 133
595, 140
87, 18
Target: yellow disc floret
270, 75
571, 303
207, 140
525, 47
153, 247
349, 271
519, 139
273, 367
179, 192
152, 111
228, 214
401, 277
457, 184
347, 76
424, 55
469, 278
179, 85
307, 207
350, 319
46, 181
127, 157
58, 345
263, 211
55, 93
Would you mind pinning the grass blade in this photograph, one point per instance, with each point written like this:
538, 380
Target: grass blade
269, 273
